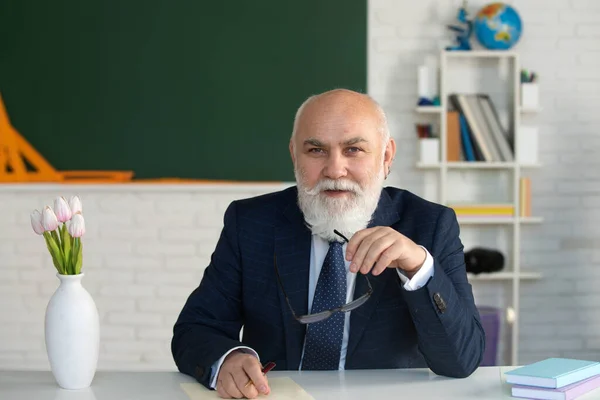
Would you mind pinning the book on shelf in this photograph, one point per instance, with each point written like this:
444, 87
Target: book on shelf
482, 136
553, 372
481, 152
465, 140
453, 145
501, 138
569, 392
483, 210
525, 197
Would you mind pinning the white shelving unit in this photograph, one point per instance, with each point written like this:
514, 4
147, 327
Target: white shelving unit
508, 62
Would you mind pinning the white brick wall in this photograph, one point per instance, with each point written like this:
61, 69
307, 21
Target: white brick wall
560, 314
146, 248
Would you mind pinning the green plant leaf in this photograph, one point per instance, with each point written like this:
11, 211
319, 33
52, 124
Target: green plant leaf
56, 237
54, 252
54, 261
55, 245
79, 261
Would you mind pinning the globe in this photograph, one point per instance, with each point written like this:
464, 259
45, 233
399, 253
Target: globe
497, 26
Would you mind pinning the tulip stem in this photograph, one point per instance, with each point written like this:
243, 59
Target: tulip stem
66, 247
54, 252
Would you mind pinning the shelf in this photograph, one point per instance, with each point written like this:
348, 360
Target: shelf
480, 54
529, 110
438, 109
504, 276
536, 165
480, 165
531, 220
498, 220
477, 165
429, 109
469, 165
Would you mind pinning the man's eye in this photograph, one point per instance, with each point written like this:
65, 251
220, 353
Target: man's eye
315, 150
353, 149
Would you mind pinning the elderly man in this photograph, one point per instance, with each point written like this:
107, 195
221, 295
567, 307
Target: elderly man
335, 273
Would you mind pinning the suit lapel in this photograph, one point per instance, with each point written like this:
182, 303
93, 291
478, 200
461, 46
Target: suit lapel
293, 249
386, 214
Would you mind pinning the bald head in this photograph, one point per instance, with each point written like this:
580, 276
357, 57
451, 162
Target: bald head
341, 104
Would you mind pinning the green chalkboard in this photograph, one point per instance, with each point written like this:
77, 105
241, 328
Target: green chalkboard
184, 89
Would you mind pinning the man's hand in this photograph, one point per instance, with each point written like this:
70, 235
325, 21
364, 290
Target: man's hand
383, 247
237, 370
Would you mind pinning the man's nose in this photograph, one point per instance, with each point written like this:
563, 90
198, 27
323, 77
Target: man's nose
336, 167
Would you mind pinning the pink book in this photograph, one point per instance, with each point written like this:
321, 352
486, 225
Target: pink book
568, 392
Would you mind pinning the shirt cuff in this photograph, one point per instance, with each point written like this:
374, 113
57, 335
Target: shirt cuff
421, 277
216, 367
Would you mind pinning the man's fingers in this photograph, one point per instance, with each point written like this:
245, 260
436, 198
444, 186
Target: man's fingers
234, 378
221, 391
358, 260
385, 259
231, 387
354, 242
241, 381
377, 249
362, 249
254, 370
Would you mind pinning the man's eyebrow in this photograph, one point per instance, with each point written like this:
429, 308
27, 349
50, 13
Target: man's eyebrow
354, 140
349, 142
313, 142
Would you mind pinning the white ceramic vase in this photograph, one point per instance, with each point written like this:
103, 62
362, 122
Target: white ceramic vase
72, 332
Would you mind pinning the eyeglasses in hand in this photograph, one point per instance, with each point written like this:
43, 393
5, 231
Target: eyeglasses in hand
317, 317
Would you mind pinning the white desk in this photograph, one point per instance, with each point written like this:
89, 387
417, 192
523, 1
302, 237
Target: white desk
485, 383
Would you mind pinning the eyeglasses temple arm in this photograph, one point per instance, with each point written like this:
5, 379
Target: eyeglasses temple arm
281, 286
347, 241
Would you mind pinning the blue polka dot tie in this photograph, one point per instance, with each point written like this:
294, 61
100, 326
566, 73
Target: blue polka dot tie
324, 339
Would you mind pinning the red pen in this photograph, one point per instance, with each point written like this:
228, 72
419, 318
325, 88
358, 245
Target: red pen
268, 366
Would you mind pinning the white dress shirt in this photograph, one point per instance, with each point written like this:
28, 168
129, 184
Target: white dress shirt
319, 249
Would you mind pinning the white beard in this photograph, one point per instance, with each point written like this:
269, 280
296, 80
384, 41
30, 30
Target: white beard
348, 215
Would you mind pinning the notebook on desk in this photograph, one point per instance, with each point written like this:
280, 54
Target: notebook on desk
553, 372
568, 392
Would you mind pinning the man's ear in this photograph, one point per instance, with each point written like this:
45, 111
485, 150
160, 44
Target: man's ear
292, 151
388, 156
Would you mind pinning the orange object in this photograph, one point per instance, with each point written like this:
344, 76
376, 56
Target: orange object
203, 181
96, 176
490, 11
16, 153
452, 136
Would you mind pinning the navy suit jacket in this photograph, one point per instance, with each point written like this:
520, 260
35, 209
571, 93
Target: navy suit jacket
436, 326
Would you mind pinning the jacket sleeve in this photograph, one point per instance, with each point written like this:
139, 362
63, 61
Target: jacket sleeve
450, 335
209, 323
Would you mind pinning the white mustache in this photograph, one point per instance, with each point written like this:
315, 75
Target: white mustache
336, 184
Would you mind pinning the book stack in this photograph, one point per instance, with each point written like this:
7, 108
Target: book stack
475, 131
554, 378
483, 210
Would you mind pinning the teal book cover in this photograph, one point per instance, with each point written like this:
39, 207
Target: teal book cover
553, 372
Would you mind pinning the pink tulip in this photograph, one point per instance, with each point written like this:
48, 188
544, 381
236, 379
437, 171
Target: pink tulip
62, 209
75, 205
76, 226
36, 222
49, 220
